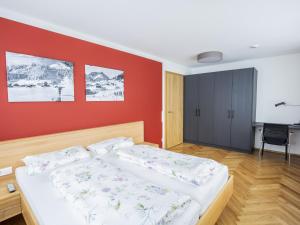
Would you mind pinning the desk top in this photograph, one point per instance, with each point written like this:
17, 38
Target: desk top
291, 126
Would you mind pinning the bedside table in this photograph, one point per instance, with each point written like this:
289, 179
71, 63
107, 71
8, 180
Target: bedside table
10, 203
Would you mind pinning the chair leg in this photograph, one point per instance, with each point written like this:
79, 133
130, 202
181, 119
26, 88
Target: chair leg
262, 149
286, 152
289, 151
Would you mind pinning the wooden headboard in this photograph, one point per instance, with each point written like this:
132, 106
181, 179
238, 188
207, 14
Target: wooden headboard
12, 151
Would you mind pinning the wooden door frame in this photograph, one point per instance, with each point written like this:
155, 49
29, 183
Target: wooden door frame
165, 105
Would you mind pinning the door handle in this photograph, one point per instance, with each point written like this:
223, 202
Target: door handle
232, 114
170, 112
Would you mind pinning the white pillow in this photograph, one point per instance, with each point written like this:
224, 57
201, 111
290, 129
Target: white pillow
37, 164
110, 145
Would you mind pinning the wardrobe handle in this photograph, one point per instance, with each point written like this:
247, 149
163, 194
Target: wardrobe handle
199, 112
229, 114
232, 114
196, 112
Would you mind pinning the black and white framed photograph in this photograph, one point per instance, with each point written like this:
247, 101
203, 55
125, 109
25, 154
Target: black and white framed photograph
104, 84
37, 79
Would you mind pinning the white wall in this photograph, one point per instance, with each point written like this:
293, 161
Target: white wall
278, 80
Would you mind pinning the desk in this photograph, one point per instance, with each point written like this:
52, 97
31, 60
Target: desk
291, 126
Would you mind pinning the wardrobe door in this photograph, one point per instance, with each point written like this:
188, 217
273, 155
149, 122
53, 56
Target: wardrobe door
205, 108
190, 108
242, 104
222, 108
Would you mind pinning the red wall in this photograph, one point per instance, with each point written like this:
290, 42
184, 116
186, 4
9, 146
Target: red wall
143, 86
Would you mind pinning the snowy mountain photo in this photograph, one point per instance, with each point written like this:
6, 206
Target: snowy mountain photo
103, 84
36, 79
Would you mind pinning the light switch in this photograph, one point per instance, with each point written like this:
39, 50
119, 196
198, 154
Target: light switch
6, 171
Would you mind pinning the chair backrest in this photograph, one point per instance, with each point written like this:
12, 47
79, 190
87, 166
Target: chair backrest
276, 134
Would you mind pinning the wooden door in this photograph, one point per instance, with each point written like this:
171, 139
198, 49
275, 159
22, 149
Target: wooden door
173, 109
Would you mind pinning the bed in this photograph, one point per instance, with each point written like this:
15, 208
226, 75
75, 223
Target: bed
37, 189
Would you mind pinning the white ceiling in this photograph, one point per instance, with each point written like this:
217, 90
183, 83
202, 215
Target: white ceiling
177, 30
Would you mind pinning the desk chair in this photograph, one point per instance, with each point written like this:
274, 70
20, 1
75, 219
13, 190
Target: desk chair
275, 134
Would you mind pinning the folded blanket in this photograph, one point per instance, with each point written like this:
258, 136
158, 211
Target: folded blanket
186, 168
107, 195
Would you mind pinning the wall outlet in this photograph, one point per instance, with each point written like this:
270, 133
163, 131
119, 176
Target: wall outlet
6, 171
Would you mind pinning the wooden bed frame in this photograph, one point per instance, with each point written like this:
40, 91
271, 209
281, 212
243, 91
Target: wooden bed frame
11, 153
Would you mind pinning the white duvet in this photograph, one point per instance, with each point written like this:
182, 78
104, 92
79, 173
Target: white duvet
186, 168
107, 195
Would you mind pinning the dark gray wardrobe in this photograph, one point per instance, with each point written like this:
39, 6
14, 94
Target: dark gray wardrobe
219, 108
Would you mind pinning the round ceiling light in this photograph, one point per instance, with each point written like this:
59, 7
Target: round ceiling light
210, 57
254, 46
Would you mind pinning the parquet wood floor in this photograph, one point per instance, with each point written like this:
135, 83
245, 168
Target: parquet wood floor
266, 192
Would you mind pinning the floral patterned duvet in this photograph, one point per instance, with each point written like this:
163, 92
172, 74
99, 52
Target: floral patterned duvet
186, 168
107, 195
